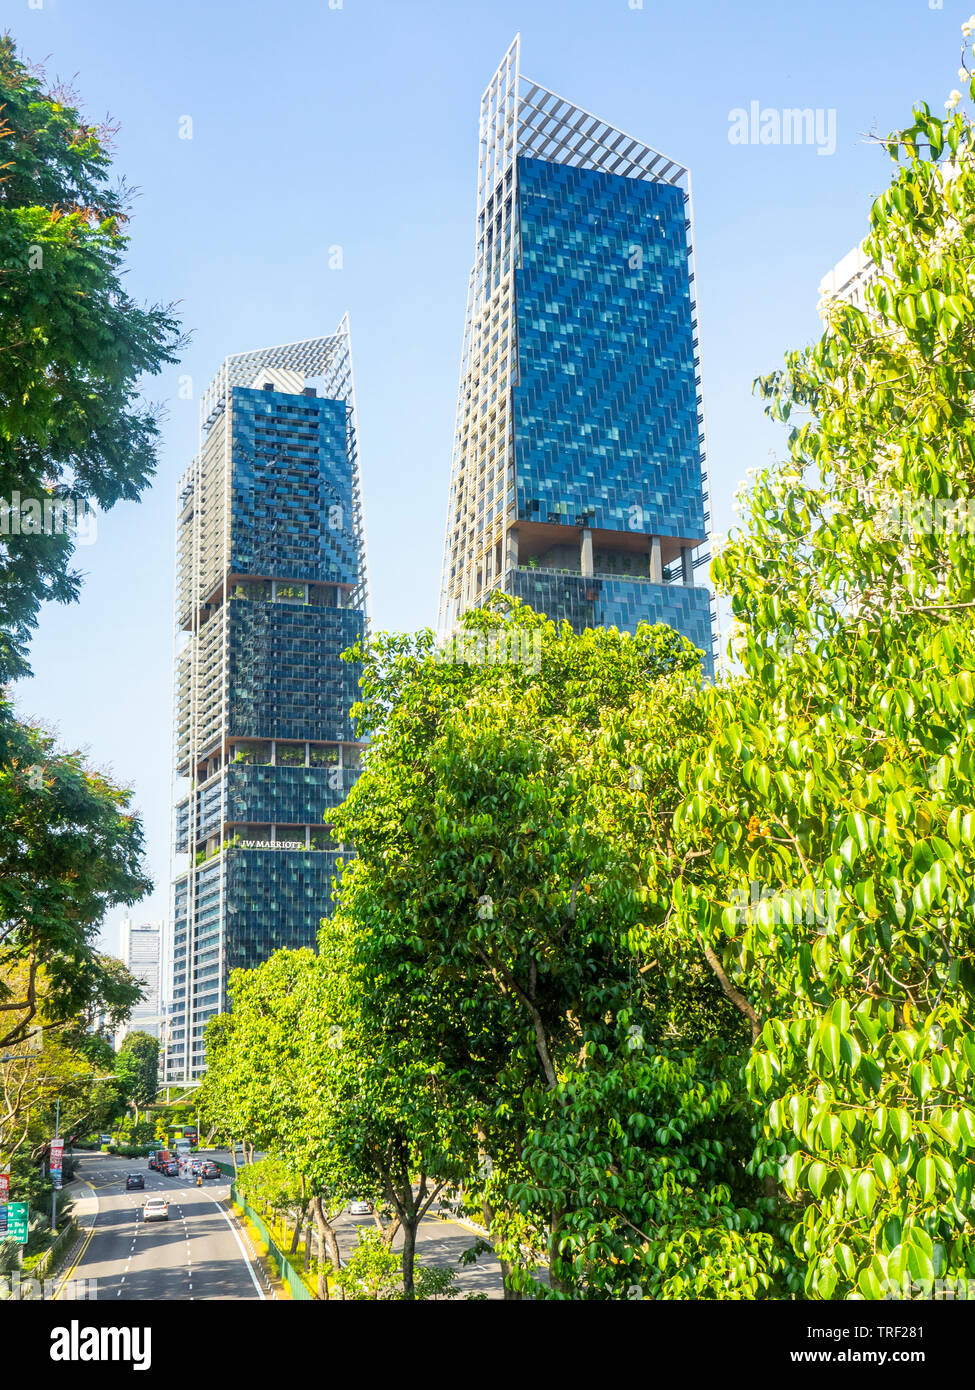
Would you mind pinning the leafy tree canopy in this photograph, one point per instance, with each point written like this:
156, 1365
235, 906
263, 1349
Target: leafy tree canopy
73, 343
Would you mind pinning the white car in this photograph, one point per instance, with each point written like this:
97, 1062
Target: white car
360, 1208
156, 1209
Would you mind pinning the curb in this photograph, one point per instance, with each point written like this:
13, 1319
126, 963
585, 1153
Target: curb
271, 1284
465, 1224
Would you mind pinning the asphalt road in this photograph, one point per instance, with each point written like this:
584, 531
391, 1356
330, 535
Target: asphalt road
200, 1252
197, 1253
439, 1243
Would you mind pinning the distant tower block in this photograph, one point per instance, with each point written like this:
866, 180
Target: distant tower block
270, 590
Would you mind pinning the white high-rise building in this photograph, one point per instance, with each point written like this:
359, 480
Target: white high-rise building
848, 280
140, 950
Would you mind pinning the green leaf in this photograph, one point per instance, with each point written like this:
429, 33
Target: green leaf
816, 1178
927, 1177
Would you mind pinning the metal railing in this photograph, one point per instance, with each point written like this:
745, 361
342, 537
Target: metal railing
299, 1289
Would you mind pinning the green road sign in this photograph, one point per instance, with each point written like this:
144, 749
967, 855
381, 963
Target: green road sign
17, 1218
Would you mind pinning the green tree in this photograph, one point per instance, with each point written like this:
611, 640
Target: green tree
263, 1084
375, 1108
69, 1079
145, 1050
498, 920
75, 344
838, 777
69, 849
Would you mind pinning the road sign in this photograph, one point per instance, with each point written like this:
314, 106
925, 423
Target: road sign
18, 1216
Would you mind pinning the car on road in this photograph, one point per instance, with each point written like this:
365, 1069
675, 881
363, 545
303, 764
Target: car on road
156, 1209
197, 1166
210, 1170
358, 1207
134, 1180
171, 1170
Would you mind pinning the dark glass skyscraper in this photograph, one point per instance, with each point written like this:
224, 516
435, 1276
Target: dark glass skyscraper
271, 589
579, 478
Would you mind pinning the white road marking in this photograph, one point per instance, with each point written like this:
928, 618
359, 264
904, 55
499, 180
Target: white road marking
233, 1229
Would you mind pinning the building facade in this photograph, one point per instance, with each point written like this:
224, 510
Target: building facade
270, 590
849, 280
578, 480
140, 950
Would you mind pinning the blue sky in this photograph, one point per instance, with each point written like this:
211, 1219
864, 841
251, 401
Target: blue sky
316, 126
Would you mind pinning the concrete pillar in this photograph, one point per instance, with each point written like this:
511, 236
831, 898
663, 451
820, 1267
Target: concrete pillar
686, 564
656, 564
586, 553
511, 549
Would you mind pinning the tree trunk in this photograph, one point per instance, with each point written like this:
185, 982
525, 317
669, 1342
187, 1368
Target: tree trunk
487, 1217
409, 1256
302, 1216
553, 1252
388, 1232
510, 1295
327, 1237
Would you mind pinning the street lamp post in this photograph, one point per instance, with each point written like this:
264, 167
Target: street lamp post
54, 1191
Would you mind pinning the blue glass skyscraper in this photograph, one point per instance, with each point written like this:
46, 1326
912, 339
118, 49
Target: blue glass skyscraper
579, 474
271, 589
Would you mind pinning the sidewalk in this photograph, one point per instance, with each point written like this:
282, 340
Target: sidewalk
84, 1211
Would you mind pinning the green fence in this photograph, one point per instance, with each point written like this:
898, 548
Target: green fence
299, 1289
55, 1250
